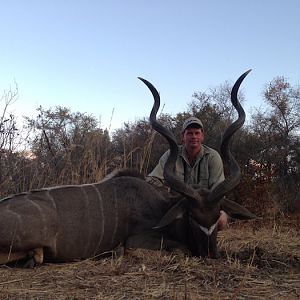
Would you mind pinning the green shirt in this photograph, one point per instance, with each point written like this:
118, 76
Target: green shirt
207, 172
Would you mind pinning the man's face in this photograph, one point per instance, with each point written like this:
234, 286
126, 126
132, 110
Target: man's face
193, 138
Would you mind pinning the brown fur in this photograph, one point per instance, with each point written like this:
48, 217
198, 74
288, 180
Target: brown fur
129, 172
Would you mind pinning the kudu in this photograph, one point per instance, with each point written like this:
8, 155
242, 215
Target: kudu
73, 222
197, 213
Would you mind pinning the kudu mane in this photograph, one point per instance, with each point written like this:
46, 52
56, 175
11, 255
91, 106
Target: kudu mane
128, 172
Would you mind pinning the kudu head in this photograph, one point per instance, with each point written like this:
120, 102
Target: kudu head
199, 210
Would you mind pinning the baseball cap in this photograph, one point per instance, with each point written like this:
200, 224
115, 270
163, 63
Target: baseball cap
191, 120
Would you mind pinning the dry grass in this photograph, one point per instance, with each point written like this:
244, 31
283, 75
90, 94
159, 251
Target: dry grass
255, 263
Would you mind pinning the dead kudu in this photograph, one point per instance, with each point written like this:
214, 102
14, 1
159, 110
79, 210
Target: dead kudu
73, 222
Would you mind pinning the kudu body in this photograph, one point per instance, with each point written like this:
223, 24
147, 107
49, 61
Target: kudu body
68, 223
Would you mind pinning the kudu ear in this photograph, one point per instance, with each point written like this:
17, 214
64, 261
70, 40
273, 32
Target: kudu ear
174, 213
236, 211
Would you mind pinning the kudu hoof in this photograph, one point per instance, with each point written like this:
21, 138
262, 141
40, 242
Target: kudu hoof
30, 263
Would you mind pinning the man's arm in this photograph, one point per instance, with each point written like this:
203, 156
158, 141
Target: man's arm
156, 177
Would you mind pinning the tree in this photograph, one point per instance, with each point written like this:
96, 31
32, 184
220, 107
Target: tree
277, 131
8, 124
136, 145
215, 110
69, 147
11, 140
278, 125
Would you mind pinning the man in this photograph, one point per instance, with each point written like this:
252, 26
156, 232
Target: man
196, 164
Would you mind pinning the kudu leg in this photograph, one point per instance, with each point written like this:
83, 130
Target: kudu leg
33, 257
36, 257
153, 241
9, 257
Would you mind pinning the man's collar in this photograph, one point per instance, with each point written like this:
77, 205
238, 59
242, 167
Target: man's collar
183, 153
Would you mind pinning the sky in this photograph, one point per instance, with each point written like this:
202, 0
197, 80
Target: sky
86, 55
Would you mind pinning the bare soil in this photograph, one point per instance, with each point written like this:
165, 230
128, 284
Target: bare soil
257, 262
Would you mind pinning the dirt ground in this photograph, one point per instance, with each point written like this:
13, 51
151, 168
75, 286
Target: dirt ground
257, 262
